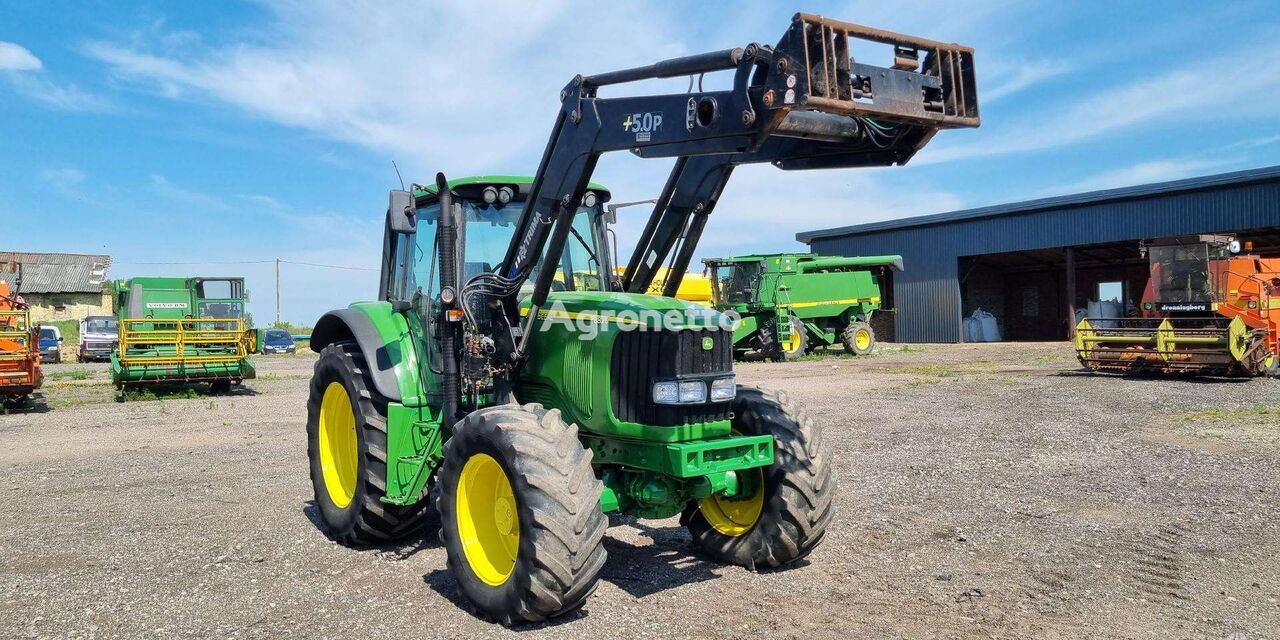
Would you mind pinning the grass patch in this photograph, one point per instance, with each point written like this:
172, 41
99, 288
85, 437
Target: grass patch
920, 382
81, 374
1258, 413
838, 353
147, 394
70, 330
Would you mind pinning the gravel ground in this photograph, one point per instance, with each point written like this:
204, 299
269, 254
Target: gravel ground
985, 491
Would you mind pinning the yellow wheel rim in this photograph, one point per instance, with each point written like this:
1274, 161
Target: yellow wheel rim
862, 338
795, 341
488, 523
339, 452
734, 517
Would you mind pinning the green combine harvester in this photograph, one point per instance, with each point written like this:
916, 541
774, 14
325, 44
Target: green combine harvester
180, 330
790, 302
508, 378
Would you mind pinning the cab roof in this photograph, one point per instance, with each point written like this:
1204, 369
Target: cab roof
522, 184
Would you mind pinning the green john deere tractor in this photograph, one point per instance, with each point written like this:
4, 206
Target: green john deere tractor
789, 303
508, 378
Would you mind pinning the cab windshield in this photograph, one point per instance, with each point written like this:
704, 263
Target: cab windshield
1181, 272
486, 235
100, 325
735, 282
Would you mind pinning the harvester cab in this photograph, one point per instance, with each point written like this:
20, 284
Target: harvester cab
1209, 308
180, 330
508, 369
20, 373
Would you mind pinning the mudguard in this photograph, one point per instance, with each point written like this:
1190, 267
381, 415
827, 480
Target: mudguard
384, 337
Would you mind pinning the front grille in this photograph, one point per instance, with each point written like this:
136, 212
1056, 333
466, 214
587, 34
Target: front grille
641, 357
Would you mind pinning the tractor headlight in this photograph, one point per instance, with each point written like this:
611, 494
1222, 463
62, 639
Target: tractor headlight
680, 392
723, 389
693, 392
666, 393
1253, 304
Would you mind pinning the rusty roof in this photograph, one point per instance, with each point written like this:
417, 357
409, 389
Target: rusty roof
56, 272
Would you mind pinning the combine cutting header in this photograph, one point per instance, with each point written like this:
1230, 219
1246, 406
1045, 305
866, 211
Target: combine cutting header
177, 330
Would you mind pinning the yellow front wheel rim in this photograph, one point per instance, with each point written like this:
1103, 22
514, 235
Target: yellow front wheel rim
862, 338
795, 342
734, 517
339, 452
488, 523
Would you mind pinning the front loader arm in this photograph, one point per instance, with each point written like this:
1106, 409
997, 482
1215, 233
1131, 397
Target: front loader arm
805, 103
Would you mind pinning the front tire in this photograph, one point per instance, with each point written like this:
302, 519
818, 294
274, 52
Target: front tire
520, 513
788, 513
347, 449
858, 338
777, 350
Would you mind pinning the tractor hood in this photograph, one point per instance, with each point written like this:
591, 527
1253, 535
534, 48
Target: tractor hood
635, 309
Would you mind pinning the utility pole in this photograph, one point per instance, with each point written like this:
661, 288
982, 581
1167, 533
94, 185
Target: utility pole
277, 290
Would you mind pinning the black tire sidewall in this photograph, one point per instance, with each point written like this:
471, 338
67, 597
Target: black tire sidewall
850, 334
473, 437
752, 547
332, 367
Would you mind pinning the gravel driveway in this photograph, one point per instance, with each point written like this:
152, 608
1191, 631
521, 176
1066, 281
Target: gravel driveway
985, 491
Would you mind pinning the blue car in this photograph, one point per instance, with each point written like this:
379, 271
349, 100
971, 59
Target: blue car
50, 344
278, 341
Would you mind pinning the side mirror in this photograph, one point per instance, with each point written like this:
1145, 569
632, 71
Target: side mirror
402, 217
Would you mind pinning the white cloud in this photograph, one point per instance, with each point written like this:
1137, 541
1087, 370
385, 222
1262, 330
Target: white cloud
63, 176
1142, 173
187, 197
1216, 89
23, 70
763, 208
15, 57
1009, 77
468, 87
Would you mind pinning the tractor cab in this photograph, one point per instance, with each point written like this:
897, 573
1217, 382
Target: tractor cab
487, 211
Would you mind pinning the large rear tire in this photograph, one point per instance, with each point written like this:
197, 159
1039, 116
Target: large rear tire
787, 514
520, 513
347, 449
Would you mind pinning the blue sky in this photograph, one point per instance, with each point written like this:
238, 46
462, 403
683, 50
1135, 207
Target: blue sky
223, 135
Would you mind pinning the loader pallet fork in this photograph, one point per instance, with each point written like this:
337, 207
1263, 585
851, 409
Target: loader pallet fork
528, 433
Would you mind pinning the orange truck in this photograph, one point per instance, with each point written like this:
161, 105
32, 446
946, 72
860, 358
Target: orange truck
20, 373
1210, 307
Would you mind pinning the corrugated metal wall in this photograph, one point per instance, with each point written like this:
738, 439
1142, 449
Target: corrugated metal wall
927, 293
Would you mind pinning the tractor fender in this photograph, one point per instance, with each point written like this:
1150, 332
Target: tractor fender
356, 324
